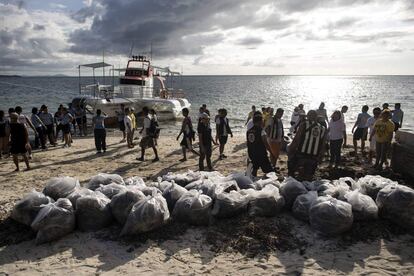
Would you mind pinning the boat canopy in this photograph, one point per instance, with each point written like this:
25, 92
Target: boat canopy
96, 65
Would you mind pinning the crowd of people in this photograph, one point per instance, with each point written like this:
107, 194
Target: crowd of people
313, 134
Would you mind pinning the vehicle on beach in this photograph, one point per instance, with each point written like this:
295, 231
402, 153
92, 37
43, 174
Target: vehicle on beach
140, 85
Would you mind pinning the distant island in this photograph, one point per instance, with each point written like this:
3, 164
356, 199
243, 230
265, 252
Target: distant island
10, 76
60, 75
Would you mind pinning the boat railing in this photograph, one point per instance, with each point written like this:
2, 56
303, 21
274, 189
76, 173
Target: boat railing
97, 91
171, 93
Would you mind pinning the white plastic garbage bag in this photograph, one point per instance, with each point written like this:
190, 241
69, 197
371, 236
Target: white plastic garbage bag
243, 182
54, 220
147, 214
194, 208
172, 194
331, 217
225, 187
363, 206
134, 180
290, 189
77, 193
93, 212
396, 203
26, 209
372, 184
104, 179
266, 202
60, 187
121, 204
261, 183
230, 204
111, 189
183, 178
302, 205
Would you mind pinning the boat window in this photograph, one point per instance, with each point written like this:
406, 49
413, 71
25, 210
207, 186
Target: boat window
129, 81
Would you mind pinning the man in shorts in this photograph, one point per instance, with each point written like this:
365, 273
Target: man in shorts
223, 131
361, 131
188, 135
147, 140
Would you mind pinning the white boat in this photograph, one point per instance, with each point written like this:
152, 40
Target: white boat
135, 89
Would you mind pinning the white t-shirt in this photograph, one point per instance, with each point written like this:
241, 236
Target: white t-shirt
250, 124
397, 115
362, 120
295, 117
370, 123
127, 122
336, 129
147, 125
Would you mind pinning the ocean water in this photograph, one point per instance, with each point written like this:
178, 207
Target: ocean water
238, 93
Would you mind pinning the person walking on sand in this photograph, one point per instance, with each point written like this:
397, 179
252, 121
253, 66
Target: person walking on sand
251, 114
25, 121
121, 115
361, 131
397, 116
205, 141
79, 119
383, 132
307, 147
128, 128
40, 129
4, 134
58, 121
133, 121
99, 131
19, 141
336, 138
188, 135
370, 125
322, 115
275, 134
66, 121
147, 140
257, 147
47, 119
223, 131
344, 109
155, 127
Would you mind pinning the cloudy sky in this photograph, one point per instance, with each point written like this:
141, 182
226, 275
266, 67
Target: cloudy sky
43, 37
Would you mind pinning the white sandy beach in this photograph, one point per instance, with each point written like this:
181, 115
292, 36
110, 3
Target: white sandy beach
187, 250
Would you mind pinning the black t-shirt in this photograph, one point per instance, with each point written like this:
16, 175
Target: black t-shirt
255, 146
205, 131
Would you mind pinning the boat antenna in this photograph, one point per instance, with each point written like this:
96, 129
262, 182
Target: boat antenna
151, 51
132, 48
103, 65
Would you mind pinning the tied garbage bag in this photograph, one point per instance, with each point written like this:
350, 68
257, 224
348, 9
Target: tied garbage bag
302, 205
121, 204
348, 181
266, 202
93, 212
182, 179
225, 187
194, 208
111, 189
372, 184
261, 183
363, 206
135, 180
104, 179
290, 189
77, 193
243, 182
54, 220
172, 194
60, 187
396, 202
331, 217
230, 204
147, 214
160, 185
26, 209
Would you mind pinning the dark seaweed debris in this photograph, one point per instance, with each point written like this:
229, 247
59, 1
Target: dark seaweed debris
12, 232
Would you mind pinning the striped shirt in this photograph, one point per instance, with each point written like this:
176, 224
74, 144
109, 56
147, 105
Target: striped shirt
313, 137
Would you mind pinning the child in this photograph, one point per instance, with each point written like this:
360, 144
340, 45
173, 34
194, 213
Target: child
336, 138
383, 131
99, 131
222, 131
361, 131
188, 135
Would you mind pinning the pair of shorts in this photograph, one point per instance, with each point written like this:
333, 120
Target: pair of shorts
146, 142
223, 139
361, 134
396, 126
66, 128
186, 143
121, 125
79, 121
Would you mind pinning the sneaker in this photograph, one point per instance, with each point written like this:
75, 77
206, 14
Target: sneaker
155, 159
140, 159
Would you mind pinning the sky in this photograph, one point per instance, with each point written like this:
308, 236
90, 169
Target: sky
210, 37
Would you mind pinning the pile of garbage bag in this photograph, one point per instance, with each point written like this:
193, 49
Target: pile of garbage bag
199, 198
